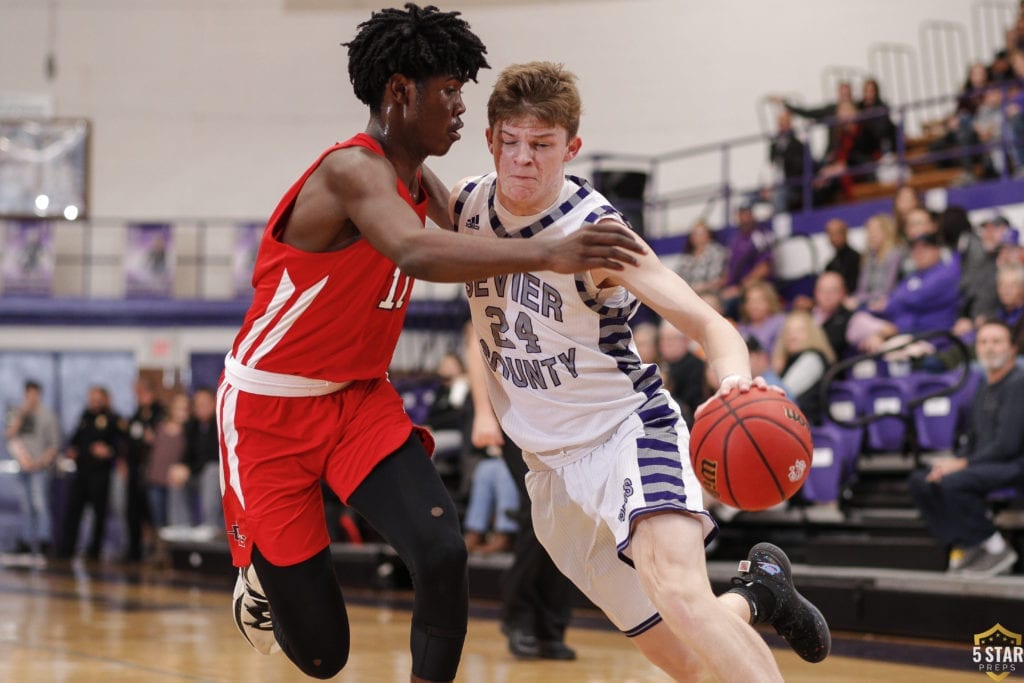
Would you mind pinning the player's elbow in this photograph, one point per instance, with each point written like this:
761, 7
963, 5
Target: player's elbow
418, 265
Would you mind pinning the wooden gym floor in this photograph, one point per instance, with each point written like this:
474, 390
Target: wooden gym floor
82, 623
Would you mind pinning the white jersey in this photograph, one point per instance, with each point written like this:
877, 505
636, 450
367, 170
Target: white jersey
565, 372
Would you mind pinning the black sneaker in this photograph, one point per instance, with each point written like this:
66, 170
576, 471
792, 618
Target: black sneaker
794, 618
555, 649
523, 645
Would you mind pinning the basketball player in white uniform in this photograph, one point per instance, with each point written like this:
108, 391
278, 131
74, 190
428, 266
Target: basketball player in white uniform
614, 497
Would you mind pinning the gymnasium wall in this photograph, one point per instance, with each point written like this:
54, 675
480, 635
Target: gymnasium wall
211, 108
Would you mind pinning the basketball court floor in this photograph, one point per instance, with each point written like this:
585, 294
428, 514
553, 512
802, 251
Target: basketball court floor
84, 622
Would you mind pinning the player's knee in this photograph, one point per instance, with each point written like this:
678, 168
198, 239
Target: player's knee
443, 560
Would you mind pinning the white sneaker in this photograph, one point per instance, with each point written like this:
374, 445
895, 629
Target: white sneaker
252, 612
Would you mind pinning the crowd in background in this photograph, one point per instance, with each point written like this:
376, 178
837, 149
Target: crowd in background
982, 134
158, 465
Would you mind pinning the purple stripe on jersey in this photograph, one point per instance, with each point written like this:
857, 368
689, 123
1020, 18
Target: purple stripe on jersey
655, 444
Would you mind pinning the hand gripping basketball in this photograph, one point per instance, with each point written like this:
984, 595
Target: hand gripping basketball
751, 449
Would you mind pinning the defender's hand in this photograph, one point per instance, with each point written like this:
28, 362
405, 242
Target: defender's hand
602, 245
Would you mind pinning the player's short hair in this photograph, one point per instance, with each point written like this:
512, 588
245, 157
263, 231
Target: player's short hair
542, 89
417, 42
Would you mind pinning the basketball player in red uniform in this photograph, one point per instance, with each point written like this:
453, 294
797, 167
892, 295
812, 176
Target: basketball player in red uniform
305, 395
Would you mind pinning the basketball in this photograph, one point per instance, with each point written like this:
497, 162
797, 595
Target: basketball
751, 450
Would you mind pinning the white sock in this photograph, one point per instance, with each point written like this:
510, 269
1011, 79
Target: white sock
995, 544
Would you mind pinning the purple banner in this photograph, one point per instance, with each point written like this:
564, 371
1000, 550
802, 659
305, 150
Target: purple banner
149, 260
28, 258
247, 244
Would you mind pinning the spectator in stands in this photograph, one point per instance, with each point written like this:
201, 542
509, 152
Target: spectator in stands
844, 94
703, 261
926, 299
880, 265
141, 433
1010, 251
449, 413
845, 259
877, 124
1015, 114
761, 314
951, 492
786, 155
760, 365
491, 522
683, 370
961, 124
988, 130
202, 460
800, 358
850, 146
1010, 292
33, 439
830, 312
904, 201
97, 441
750, 259
977, 293
164, 483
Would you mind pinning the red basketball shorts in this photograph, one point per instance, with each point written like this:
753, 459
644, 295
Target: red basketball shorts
274, 452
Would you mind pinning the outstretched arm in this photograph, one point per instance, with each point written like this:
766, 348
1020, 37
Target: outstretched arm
358, 190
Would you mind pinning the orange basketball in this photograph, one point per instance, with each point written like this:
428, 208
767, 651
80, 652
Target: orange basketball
751, 450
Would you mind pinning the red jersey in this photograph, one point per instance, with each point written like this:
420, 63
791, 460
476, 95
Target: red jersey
334, 316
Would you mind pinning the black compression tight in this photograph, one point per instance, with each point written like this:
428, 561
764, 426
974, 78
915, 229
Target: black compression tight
406, 502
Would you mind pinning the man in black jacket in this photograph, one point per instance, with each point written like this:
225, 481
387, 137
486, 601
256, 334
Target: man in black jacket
952, 493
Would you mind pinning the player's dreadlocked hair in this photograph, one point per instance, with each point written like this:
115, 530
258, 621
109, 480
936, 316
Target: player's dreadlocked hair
416, 42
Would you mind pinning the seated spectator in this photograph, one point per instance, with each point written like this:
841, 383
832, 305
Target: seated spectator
951, 492
904, 201
926, 299
800, 358
877, 124
448, 415
1010, 292
761, 314
880, 265
493, 506
750, 259
786, 155
682, 369
830, 312
760, 365
1015, 114
1010, 251
977, 291
846, 260
703, 262
988, 130
961, 130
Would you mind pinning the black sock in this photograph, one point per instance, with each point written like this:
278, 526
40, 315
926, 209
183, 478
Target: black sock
760, 599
